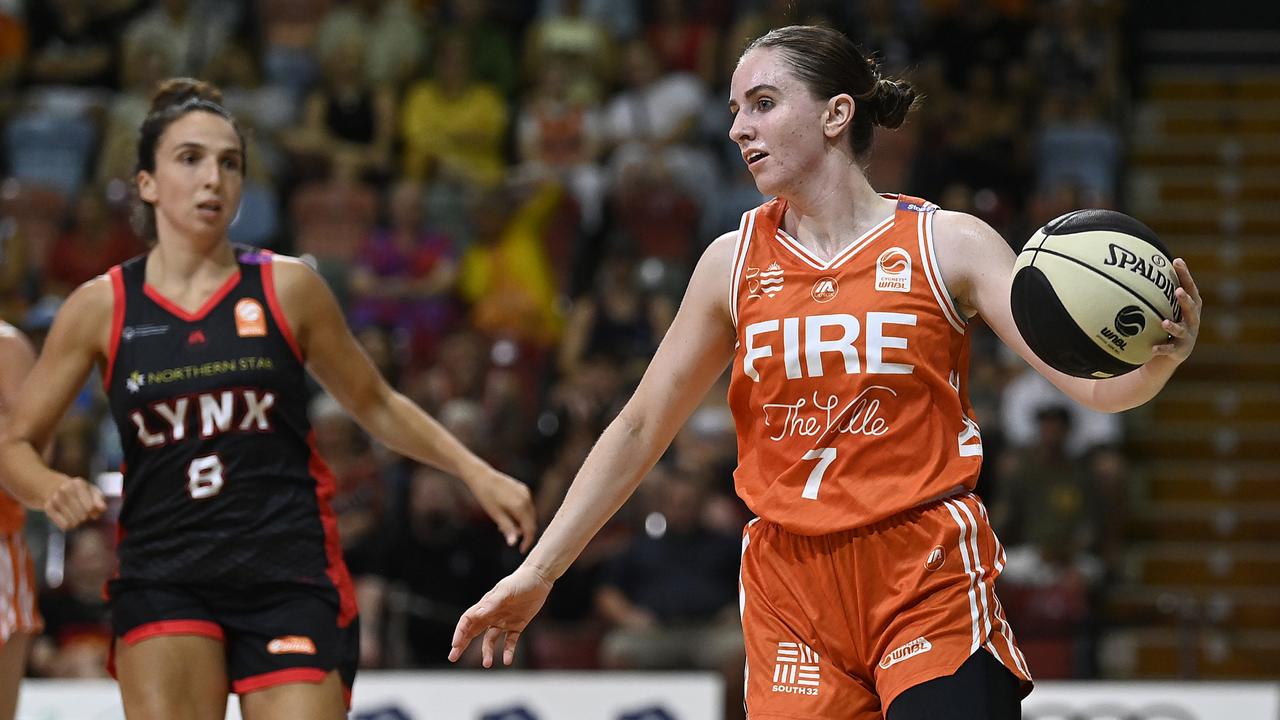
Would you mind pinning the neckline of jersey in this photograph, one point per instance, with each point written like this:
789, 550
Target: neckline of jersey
845, 253
173, 308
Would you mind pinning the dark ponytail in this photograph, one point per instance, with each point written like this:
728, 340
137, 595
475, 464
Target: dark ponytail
829, 64
172, 99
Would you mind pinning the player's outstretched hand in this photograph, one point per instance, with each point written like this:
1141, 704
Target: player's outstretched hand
504, 611
74, 502
510, 504
1182, 335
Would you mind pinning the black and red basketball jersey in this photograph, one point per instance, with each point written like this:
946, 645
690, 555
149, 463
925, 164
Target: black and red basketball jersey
222, 482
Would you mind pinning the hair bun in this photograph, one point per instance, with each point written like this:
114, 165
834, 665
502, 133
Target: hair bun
891, 100
176, 91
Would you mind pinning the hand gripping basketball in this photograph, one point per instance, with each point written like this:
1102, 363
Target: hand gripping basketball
1182, 335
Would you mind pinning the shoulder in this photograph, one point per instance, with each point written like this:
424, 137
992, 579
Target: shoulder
14, 344
962, 229
84, 322
970, 253
299, 288
90, 303
292, 271
712, 277
295, 280
719, 253
716, 264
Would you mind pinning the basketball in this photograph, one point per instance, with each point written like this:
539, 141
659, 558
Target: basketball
1090, 290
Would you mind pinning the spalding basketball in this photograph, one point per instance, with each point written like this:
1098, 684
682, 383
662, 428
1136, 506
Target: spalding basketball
1090, 290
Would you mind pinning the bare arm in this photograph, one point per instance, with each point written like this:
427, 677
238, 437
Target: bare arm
76, 341
16, 360
977, 266
691, 357
338, 362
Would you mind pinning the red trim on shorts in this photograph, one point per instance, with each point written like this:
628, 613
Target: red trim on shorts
162, 628
269, 289
276, 678
337, 569
204, 309
204, 628
117, 323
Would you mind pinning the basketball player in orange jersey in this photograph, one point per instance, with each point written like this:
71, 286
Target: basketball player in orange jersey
867, 581
19, 619
231, 576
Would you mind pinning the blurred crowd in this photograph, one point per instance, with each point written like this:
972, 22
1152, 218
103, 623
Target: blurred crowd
507, 197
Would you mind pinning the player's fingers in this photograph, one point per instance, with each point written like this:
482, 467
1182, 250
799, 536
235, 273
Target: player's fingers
1185, 279
490, 639
507, 527
509, 652
1163, 349
82, 499
528, 525
57, 517
1177, 330
63, 509
466, 630
98, 501
1190, 308
83, 502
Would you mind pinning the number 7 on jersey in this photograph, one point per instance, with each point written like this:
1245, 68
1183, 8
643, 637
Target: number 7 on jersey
824, 456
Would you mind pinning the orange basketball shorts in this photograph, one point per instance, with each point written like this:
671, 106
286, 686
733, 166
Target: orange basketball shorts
18, 612
838, 625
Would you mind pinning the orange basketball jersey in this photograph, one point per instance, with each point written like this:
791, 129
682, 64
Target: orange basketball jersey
849, 378
12, 515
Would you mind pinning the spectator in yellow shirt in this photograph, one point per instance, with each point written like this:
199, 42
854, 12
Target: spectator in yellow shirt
452, 124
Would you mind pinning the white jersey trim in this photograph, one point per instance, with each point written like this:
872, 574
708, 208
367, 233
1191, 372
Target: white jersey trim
17, 588
742, 599
740, 246
840, 258
934, 276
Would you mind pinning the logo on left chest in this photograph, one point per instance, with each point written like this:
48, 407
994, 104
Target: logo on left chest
251, 321
893, 271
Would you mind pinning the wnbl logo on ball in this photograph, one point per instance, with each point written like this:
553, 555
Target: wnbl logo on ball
1130, 320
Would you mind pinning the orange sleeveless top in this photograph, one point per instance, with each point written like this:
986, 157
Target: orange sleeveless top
849, 386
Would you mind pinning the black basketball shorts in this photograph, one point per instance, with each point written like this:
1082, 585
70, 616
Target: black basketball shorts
274, 634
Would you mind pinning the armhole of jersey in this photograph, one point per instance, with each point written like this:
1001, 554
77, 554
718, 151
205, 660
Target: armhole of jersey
934, 275
740, 246
117, 323
269, 289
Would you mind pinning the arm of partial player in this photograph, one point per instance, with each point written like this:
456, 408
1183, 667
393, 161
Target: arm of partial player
694, 352
75, 342
977, 266
339, 363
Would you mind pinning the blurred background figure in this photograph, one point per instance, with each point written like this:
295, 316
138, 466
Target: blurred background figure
77, 631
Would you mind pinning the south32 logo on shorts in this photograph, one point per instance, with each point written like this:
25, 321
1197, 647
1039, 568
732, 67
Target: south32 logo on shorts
796, 671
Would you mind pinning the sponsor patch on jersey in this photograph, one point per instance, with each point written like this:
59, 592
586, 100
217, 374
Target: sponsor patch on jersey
796, 671
129, 332
752, 275
771, 280
292, 645
937, 556
916, 647
251, 321
893, 271
134, 382
825, 288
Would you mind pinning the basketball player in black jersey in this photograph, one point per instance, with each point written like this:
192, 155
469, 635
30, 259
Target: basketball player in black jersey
231, 575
